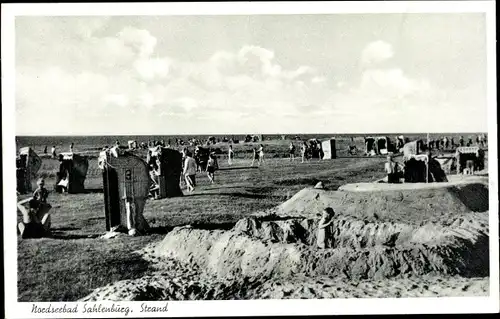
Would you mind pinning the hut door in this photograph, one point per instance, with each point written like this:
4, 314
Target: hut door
111, 198
129, 197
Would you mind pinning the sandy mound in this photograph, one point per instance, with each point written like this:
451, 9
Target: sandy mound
361, 250
384, 243
410, 206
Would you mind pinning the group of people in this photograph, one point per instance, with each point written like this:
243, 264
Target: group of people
306, 151
445, 142
190, 167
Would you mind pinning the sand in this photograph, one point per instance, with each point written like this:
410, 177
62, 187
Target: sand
403, 242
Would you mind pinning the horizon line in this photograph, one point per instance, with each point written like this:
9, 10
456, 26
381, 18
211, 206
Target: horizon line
217, 134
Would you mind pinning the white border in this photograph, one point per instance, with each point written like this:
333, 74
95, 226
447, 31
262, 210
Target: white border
251, 307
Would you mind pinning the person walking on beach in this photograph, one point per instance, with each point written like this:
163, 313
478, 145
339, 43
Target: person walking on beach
190, 168
53, 152
324, 236
212, 167
255, 156
45, 150
261, 154
291, 150
230, 155
303, 151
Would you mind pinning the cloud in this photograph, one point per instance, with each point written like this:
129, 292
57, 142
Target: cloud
240, 89
149, 69
119, 100
376, 52
141, 40
318, 79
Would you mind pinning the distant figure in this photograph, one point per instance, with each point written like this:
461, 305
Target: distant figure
190, 168
391, 171
324, 237
155, 185
230, 155
71, 147
36, 219
291, 151
461, 141
431, 144
452, 142
53, 152
45, 150
117, 143
212, 166
469, 142
469, 168
261, 154
303, 151
446, 142
41, 193
255, 156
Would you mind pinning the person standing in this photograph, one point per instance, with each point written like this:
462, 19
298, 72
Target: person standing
303, 151
461, 141
261, 154
211, 168
230, 155
71, 147
45, 150
291, 150
255, 156
53, 151
190, 168
391, 170
324, 236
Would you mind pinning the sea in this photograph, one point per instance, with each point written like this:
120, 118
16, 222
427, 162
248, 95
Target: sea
97, 142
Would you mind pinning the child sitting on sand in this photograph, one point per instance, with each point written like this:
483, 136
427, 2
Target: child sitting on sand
324, 231
41, 193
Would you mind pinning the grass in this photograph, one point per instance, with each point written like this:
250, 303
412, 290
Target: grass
74, 262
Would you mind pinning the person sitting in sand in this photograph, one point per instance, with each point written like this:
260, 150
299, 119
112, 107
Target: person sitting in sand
36, 219
323, 238
41, 193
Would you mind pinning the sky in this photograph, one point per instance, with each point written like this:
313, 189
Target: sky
274, 74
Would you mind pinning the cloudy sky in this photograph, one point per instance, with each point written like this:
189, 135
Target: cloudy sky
247, 74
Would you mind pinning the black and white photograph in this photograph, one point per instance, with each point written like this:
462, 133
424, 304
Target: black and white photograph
285, 152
